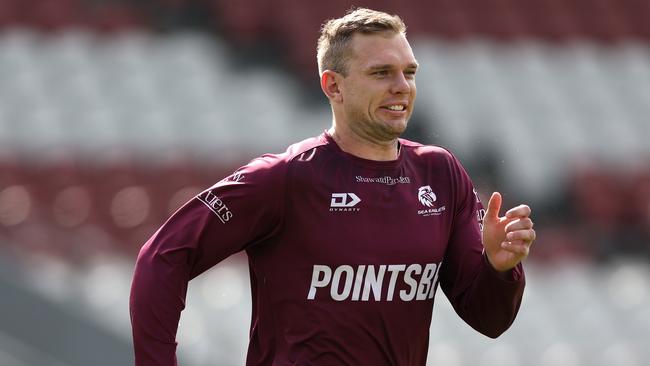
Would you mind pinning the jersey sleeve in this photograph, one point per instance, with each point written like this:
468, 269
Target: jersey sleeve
485, 299
239, 211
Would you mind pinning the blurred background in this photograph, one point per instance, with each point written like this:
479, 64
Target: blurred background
113, 113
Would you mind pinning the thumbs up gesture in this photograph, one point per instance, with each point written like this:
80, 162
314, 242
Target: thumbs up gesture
506, 239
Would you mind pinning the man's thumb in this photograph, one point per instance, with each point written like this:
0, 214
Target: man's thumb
494, 205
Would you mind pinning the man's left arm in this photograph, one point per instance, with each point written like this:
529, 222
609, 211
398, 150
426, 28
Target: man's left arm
482, 274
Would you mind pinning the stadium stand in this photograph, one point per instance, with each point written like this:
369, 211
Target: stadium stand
115, 113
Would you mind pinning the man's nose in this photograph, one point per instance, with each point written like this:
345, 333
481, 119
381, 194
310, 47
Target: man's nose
401, 85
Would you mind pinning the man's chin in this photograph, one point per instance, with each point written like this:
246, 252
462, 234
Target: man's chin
395, 128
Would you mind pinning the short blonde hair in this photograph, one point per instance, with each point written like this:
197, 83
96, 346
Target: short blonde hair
333, 43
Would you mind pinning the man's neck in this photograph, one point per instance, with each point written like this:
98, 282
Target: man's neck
356, 145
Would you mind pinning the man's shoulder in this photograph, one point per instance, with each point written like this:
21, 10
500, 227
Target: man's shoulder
297, 151
276, 163
301, 150
423, 151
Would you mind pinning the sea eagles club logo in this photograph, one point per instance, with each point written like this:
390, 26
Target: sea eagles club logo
426, 196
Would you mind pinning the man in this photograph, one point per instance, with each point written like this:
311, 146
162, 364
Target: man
348, 234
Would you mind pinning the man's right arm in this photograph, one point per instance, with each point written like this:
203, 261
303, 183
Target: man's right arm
223, 220
163, 268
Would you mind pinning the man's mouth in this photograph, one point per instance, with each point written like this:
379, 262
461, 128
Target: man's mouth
395, 107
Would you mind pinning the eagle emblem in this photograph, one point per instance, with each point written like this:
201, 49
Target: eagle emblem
426, 196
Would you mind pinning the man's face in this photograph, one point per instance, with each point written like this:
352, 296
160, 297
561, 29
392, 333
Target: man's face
379, 90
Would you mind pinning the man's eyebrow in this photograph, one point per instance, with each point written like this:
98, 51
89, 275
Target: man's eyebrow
413, 65
380, 67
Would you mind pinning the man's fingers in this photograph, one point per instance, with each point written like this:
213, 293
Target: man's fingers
521, 235
494, 205
517, 247
519, 224
519, 211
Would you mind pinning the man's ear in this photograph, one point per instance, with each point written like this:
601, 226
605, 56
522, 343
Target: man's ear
329, 83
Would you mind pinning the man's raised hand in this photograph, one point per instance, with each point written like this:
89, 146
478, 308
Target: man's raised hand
507, 239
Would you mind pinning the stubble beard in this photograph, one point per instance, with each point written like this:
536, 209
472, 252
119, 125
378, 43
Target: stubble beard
376, 130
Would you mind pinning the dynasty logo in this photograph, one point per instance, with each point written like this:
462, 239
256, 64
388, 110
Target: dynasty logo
344, 202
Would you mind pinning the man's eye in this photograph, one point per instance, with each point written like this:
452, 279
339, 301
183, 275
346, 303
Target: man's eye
410, 74
381, 73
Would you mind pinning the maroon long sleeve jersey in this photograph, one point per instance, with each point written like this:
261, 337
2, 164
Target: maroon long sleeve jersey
345, 257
